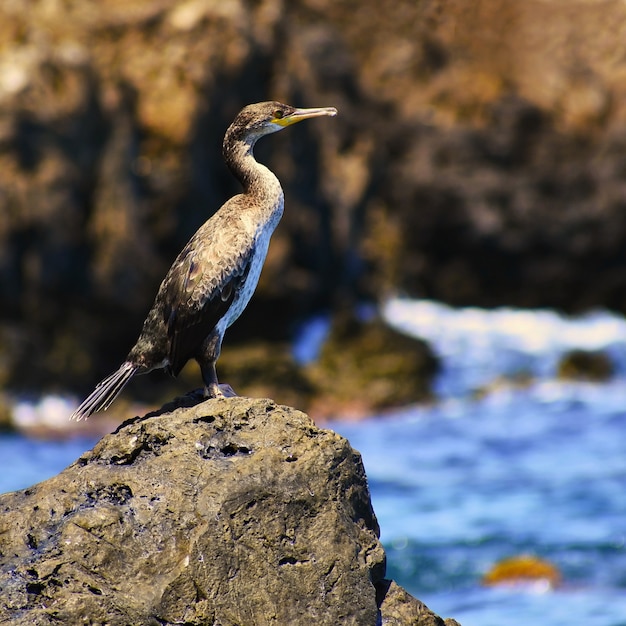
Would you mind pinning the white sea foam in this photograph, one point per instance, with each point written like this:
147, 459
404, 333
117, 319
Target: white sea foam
479, 345
50, 411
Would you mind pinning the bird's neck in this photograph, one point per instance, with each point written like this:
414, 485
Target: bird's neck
256, 179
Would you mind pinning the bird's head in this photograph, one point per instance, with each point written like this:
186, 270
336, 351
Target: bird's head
264, 118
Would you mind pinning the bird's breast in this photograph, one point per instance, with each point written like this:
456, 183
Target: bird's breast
265, 229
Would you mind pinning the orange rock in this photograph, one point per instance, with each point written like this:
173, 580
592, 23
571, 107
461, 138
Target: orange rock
522, 569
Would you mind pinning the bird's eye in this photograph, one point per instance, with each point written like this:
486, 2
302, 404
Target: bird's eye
278, 114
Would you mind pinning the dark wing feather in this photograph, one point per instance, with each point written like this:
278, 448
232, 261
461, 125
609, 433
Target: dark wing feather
197, 293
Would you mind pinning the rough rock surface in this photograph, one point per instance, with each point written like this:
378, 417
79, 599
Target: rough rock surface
228, 512
400, 608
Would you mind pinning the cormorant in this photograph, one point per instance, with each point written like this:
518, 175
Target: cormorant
213, 278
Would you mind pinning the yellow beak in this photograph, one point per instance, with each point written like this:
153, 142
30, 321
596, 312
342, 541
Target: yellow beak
304, 114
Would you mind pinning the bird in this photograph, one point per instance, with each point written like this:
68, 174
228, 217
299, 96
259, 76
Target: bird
213, 278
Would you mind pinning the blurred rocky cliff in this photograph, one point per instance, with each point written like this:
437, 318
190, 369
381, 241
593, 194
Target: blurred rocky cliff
479, 158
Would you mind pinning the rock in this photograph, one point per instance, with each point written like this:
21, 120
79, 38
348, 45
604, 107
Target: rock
524, 570
466, 165
261, 369
399, 608
365, 367
592, 366
6, 419
227, 512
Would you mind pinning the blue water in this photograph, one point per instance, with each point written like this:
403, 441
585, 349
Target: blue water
457, 490
463, 484
24, 461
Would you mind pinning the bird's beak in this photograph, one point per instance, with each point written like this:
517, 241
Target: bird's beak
304, 114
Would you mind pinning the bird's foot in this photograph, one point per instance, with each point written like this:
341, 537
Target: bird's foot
223, 390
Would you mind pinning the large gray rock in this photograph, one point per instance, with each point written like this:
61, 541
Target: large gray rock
232, 511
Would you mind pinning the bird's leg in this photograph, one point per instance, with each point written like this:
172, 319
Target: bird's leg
212, 388
207, 361
209, 377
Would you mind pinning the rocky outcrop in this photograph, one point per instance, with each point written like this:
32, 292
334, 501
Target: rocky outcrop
585, 365
364, 367
227, 512
477, 159
400, 608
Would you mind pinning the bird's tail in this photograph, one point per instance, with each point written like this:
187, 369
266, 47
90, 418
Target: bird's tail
107, 390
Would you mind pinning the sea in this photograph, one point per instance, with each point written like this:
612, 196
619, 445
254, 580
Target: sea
508, 461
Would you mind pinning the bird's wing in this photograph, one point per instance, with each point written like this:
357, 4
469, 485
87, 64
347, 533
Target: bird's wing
200, 288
